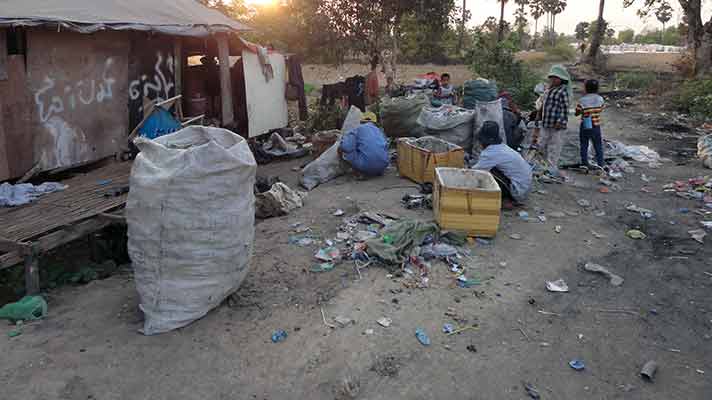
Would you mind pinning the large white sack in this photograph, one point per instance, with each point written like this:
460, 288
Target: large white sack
328, 166
450, 123
190, 215
489, 111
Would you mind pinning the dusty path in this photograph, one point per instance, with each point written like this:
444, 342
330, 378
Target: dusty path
89, 349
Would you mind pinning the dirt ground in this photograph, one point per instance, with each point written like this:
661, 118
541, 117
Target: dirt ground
320, 74
89, 347
655, 62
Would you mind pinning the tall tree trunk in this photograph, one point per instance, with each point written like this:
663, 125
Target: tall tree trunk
597, 36
536, 23
462, 27
553, 29
500, 35
662, 35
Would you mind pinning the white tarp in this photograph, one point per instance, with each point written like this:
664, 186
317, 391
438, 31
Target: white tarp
190, 215
186, 17
266, 104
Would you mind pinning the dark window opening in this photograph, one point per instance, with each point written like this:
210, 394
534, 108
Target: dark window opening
16, 41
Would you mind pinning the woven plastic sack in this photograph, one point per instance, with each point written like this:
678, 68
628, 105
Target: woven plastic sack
479, 90
450, 123
190, 215
489, 111
704, 150
328, 166
399, 115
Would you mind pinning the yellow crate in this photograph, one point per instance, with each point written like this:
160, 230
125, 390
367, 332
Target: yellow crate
467, 200
418, 158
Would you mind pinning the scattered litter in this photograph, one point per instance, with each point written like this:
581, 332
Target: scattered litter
484, 242
422, 337
644, 212
584, 203
578, 365
338, 213
23, 193
448, 328
368, 332
597, 235
542, 218
343, 321
636, 234
523, 215
279, 336
604, 190
646, 178
323, 267
615, 280
343, 236
699, 371
599, 213
384, 322
471, 348
515, 236
557, 214
28, 308
531, 391
279, 200
465, 283
557, 286
706, 224
557, 229
698, 235
648, 371
683, 210
329, 254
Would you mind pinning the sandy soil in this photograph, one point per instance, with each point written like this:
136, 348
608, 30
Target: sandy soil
89, 348
655, 62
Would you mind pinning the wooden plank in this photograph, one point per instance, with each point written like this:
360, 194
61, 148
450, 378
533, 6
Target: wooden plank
117, 218
32, 273
228, 113
56, 239
3, 55
8, 246
178, 64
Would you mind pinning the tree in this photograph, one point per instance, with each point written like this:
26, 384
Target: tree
536, 9
597, 36
463, 21
582, 31
699, 35
626, 36
500, 35
520, 20
663, 14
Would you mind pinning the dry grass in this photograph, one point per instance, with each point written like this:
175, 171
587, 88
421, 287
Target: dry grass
317, 74
650, 62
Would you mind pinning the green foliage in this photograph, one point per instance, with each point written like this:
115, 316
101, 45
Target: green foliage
671, 37
496, 60
695, 97
635, 80
626, 36
561, 51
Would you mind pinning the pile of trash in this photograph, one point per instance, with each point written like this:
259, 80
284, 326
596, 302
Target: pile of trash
642, 154
704, 150
699, 188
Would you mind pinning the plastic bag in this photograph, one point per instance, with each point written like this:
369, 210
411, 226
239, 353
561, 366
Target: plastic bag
279, 200
450, 123
704, 150
328, 166
399, 115
479, 91
489, 111
190, 215
28, 308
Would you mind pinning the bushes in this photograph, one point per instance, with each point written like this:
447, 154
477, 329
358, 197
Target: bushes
635, 80
695, 97
498, 62
561, 51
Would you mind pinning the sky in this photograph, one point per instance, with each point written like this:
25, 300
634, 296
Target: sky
576, 11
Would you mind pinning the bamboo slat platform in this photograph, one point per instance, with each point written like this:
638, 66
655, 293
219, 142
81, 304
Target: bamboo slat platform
57, 218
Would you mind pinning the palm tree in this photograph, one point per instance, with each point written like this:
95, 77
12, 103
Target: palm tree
462, 27
500, 35
536, 7
663, 14
598, 35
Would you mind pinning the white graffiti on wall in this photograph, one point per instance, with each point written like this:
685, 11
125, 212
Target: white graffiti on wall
160, 87
83, 92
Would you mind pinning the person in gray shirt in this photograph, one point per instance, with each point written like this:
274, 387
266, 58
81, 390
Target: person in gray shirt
512, 172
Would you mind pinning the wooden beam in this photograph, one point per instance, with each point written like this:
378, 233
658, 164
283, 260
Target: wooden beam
117, 218
32, 272
56, 239
178, 64
228, 113
8, 246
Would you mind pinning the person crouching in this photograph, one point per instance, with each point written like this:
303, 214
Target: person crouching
512, 173
365, 148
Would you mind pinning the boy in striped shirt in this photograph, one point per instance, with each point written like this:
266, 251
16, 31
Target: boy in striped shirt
589, 108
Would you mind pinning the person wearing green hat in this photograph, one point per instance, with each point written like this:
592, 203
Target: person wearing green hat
555, 114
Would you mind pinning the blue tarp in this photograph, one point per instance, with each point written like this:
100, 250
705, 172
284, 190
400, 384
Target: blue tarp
161, 122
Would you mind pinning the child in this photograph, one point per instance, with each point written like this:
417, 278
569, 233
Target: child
589, 108
446, 92
555, 115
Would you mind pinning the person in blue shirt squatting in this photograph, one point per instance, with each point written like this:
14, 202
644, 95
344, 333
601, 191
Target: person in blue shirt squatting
365, 148
510, 170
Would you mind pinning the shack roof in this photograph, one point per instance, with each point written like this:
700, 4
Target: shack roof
174, 17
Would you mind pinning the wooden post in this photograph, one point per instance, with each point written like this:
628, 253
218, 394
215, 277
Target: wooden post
228, 115
178, 64
32, 272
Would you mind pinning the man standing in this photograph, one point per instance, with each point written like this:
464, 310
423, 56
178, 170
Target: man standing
555, 115
372, 85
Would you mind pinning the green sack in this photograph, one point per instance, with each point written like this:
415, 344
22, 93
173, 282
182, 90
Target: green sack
27, 309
